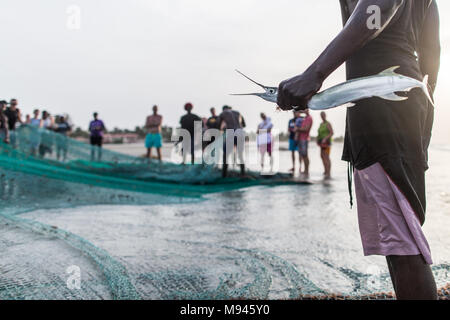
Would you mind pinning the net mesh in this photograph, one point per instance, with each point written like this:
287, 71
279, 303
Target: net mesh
42, 170
44, 153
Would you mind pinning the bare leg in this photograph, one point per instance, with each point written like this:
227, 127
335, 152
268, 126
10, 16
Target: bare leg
225, 170
225, 164
184, 153
271, 162
149, 153
306, 161
293, 161
322, 156
192, 151
412, 278
262, 160
300, 160
328, 165
159, 154
391, 272
242, 170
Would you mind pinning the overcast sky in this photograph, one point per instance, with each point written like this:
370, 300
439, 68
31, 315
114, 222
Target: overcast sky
129, 55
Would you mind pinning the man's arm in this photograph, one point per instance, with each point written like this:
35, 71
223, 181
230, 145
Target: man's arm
5, 119
430, 47
243, 122
19, 116
297, 91
222, 124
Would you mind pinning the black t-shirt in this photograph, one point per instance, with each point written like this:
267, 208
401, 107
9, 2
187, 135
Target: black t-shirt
13, 117
394, 134
62, 128
213, 123
232, 119
188, 122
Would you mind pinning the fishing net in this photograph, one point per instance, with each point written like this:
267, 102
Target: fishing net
43, 171
42, 152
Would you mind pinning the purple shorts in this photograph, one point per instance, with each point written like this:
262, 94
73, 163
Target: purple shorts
387, 222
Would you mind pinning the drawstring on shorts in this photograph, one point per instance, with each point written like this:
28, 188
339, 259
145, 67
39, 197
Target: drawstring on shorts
350, 172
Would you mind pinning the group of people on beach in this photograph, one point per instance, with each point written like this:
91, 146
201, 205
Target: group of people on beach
299, 136
229, 119
40, 142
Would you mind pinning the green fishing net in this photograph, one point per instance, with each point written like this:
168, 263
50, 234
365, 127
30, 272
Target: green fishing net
42, 152
42, 169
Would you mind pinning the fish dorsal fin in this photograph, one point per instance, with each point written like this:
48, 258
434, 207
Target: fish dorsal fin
389, 71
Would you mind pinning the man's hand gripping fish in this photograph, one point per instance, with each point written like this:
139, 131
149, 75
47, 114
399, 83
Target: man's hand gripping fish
383, 85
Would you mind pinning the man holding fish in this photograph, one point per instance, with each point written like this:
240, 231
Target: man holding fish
387, 135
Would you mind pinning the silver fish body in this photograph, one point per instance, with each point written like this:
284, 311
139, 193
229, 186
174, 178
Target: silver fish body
383, 85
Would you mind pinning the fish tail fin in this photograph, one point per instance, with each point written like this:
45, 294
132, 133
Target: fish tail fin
425, 88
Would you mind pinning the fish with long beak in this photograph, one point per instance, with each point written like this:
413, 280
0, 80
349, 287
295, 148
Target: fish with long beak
383, 85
